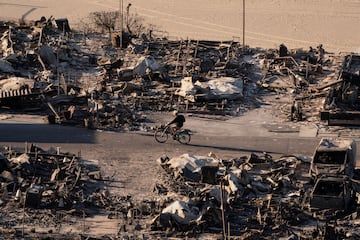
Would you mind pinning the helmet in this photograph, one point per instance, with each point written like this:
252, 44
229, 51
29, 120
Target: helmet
175, 112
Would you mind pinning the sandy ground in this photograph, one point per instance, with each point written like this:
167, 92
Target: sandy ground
297, 24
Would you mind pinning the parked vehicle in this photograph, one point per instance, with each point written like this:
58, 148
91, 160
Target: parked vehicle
334, 157
163, 132
332, 193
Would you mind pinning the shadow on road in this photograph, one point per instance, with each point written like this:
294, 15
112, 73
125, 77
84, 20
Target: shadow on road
223, 148
231, 149
44, 133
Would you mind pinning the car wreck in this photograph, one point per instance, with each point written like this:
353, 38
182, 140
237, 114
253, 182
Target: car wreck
332, 193
334, 157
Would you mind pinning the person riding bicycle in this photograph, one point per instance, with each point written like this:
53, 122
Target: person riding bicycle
177, 122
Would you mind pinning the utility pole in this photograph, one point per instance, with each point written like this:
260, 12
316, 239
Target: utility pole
121, 10
243, 26
127, 14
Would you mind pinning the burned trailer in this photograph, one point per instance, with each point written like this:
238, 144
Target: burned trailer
334, 157
23, 93
342, 105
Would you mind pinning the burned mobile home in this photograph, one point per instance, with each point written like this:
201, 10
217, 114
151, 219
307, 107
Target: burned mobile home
301, 78
99, 86
49, 69
252, 197
197, 197
32, 62
38, 180
341, 105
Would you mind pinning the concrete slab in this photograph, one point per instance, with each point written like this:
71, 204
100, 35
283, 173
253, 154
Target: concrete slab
308, 131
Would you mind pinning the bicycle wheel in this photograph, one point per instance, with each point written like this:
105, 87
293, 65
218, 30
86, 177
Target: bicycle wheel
184, 138
161, 136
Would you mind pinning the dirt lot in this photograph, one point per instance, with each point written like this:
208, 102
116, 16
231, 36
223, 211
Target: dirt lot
297, 24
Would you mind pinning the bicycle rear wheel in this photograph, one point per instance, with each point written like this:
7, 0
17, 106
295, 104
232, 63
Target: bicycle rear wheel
184, 138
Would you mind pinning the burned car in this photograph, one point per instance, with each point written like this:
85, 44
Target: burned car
332, 193
334, 157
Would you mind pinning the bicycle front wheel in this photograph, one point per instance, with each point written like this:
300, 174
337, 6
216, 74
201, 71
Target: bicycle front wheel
161, 136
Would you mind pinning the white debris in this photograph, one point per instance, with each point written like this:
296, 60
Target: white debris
181, 212
145, 64
225, 87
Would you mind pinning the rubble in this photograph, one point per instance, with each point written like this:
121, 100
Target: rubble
155, 74
37, 181
100, 87
248, 197
340, 105
257, 195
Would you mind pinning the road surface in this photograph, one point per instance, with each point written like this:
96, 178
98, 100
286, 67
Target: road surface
128, 159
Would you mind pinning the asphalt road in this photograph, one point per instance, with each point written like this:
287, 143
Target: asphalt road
86, 141
128, 159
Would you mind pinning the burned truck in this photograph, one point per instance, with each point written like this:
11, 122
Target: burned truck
332, 169
334, 157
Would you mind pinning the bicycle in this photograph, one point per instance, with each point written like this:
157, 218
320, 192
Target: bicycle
162, 133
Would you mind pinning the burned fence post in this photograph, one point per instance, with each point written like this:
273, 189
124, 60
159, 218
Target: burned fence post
222, 210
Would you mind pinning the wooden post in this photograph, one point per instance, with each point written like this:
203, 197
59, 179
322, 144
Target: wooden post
222, 210
178, 58
23, 218
307, 69
186, 56
196, 48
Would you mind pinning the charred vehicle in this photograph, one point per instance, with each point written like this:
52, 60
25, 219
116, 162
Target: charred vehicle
332, 193
334, 157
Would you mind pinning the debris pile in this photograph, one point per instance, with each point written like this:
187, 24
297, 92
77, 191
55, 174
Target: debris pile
303, 76
30, 55
341, 105
248, 197
41, 188
48, 66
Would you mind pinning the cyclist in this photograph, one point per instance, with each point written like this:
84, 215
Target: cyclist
177, 122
